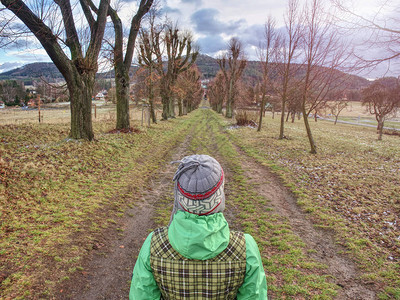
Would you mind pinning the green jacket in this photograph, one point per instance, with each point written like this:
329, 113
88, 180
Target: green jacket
199, 237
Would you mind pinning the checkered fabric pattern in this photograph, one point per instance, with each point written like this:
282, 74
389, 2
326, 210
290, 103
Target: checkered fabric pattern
182, 278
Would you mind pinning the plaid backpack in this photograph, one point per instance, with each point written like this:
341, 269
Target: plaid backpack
181, 278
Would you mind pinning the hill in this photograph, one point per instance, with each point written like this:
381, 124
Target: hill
31, 71
207, 65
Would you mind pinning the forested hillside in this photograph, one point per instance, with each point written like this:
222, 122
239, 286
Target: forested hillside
207, 65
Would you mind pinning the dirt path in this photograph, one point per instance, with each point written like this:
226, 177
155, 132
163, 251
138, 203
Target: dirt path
108, 270
327, 252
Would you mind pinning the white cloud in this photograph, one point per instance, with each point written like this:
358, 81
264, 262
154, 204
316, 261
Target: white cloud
7, 66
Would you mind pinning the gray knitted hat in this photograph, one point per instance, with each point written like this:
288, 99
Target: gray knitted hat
199, 185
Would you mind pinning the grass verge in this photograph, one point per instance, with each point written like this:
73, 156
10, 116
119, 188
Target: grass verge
57, 194
351, 186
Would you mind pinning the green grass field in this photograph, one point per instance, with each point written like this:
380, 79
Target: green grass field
57, 194
351, 186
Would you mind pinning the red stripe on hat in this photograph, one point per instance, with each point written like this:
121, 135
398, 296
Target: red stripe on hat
205, 195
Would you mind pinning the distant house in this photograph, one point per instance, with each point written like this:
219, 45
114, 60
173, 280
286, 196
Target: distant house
2, 105
101, 95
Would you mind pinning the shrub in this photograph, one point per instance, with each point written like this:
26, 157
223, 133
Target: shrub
245, 118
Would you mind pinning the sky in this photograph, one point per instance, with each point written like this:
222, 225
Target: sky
213, 23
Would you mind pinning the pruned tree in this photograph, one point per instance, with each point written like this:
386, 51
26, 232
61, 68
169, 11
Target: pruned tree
149, 38
146, 87
180, 56
382, 99
188, 90
122, 63
232, 66
266, 58
245, 91
78, 64
217, 92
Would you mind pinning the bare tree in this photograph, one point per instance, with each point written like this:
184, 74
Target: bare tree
324, 54
266, 57
217, 92
288, 46
188, 90
122, 64
146, 87
79, 66
336, 107
180, 55
147, 60
232, 66
294, 101
382, 98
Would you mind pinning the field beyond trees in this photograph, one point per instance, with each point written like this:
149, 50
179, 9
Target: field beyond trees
59, 196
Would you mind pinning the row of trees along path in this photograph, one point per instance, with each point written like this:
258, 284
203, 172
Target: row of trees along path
107, 272
78, 61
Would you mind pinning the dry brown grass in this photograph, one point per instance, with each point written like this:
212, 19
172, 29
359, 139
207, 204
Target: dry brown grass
60, 114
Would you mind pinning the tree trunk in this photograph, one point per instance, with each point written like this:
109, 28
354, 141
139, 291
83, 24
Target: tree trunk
123, 97
287, 116
185, 107
81, 92
229, 101
164, 93
180, 108
309, 134
228, 112
151, 98
336, 118
281, 136
219, 107
171, 109
380, 129
165, 106
152, 112
262, 111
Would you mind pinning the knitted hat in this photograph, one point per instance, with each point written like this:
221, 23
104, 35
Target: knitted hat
199, 185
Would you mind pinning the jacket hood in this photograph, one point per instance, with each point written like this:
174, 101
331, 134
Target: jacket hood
198, 237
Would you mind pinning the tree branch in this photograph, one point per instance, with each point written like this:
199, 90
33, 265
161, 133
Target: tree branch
86, 4
42, 32
72, 36
144, 7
